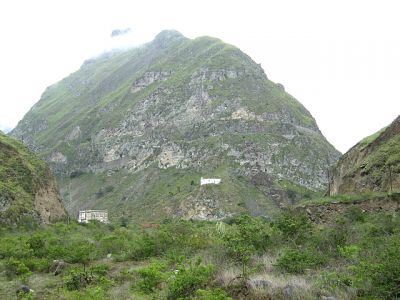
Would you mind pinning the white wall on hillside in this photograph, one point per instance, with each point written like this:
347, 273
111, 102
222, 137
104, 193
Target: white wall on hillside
204, 181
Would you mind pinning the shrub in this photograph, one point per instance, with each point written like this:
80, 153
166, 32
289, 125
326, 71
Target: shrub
294, 226
355, 214
15, 247
14, 267
77, 279
151, 277
143, 246
378, 274
297, 260
188, 279
79, 250
334, 280
38, 264
38, 245
333, 237
180, 238
80, 278
100, 270
246, 236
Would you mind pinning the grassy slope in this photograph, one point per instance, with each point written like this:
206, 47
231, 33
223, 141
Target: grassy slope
387, 154
21, 174
373, 159
158, 193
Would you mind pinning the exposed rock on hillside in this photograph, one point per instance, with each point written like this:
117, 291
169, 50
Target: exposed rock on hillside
151, 121
28, 191
371, 165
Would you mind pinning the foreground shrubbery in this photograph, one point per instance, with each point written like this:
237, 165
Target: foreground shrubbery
357, 256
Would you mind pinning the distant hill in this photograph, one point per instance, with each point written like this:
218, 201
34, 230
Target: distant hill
371, 165
134, 131
28, 191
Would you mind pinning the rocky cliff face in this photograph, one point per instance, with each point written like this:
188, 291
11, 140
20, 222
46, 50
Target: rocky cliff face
28, 191
371, 165
133, 131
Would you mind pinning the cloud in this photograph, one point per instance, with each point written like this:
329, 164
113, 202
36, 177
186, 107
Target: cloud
119, 32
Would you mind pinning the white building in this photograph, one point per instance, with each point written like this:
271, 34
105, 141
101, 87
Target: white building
204, 181
86, 215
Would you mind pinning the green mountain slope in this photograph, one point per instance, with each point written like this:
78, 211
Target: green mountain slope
28, 192
373, 165
133, 131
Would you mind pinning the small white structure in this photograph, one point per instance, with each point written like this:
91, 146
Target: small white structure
204, 181
86, 215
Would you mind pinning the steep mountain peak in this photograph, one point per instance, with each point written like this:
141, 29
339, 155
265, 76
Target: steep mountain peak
136, 131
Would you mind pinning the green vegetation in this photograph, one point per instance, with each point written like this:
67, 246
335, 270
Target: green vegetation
388, 154
373, 165
152, 190
366, 196
369, 139
21, 175
244, 257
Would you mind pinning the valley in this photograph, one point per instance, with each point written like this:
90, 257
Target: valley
211, 182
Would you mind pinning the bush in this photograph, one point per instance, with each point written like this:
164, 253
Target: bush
335, 280
80, 278
355, 214
151, 277
14, 247
298, 260
38, 245
38, 264
100, 270
378, 274
246, 236
143, 246
188, 279
14, 267
80, 251
77, 279
293, 225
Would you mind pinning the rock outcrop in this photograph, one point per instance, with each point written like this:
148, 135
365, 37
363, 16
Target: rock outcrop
28, 191
373, 165
151, 121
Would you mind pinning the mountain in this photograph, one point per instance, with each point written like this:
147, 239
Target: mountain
28, 191
134, 131
371, 165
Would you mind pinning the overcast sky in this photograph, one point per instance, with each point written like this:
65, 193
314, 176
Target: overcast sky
340, 59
